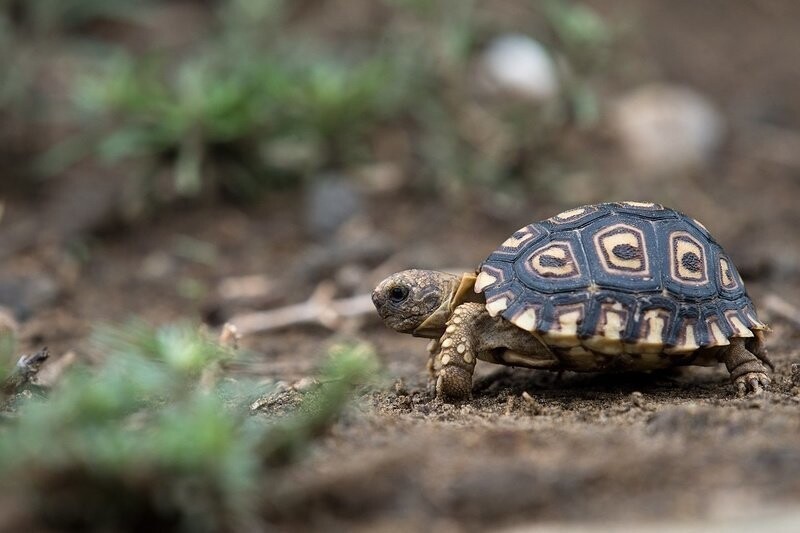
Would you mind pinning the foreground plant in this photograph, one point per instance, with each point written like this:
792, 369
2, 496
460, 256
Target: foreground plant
152, 440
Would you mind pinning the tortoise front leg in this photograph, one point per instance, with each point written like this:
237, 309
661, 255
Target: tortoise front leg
458, 353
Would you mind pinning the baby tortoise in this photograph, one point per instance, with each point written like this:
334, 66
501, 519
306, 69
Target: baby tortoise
607, 287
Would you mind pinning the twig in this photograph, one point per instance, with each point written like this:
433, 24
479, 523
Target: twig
51, 374
27, 367
780, 307
320, 309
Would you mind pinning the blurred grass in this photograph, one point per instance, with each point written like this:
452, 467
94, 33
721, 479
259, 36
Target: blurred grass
156, 438
256, 105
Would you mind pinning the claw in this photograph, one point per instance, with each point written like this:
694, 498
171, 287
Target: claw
752, 383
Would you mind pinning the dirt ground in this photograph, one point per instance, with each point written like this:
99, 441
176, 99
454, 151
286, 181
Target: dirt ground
662, 449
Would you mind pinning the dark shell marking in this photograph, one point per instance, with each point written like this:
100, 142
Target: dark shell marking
627, 277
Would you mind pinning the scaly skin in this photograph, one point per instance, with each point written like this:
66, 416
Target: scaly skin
433, 360
472, 334
459, 344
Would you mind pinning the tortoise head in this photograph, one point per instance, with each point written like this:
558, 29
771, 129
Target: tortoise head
416, 301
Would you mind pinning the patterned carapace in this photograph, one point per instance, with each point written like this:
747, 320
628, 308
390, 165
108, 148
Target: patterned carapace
607, 276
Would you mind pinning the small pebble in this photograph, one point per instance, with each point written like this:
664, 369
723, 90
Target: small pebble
637, 399
667, 128
400, 387
519, 66
795, 373
510, 405
306, 384
259, 404
533, 404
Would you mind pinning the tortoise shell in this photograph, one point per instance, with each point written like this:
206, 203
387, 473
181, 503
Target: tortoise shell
627, 277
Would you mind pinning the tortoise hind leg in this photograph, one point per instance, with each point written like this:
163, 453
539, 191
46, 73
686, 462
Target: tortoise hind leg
747, 370
758, 347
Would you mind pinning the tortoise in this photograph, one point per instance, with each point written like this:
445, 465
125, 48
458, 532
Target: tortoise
608, 287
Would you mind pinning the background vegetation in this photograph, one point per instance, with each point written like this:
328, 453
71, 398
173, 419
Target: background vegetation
247, 102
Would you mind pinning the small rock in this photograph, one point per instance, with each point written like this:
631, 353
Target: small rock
510, 404
519, 66
637, 399
667, 128
259, 404
532, 404
157, 265
306, 384
795, 373
330, 202
400, 387
27, 294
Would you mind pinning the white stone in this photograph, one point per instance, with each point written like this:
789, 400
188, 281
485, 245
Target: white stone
667, 128
521, 66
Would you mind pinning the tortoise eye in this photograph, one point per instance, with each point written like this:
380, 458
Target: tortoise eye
398, 294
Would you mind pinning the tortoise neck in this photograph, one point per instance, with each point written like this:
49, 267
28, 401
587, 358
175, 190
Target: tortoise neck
460, 290
464, 291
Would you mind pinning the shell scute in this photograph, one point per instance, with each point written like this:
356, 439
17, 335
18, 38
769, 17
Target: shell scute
623, 255
555, 265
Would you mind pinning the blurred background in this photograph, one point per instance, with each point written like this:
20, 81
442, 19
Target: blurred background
288, 124
205, 160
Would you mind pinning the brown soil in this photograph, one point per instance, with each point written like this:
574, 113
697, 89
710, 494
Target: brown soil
673, 446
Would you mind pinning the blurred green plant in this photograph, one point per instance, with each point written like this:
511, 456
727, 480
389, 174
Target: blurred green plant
8, 353
228, 123
580, 33
259, 105
30, 33
586, 41
154, 439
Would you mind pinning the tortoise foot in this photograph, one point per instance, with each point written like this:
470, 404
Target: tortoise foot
751, 383
453, 384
